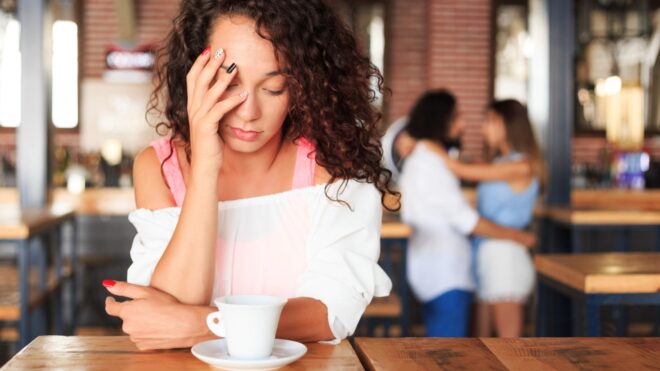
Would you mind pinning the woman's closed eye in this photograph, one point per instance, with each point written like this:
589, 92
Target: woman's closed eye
274, 91
267, 90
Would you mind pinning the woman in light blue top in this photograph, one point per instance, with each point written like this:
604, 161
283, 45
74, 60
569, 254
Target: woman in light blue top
507, 194
439, 254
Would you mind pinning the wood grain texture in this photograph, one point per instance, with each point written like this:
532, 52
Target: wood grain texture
10, 294
118, 353
524, 354
603, 272
425, 354
577, 216
576, 353
395, 230
94, 201
616, 199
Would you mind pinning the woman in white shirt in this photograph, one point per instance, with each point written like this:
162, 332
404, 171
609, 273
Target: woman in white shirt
270, 181
439, 253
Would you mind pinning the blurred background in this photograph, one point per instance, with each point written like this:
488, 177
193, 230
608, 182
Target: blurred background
75, 79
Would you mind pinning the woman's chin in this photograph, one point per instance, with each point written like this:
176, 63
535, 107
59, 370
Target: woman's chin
243, 146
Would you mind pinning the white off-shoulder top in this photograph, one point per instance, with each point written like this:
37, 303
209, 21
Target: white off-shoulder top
292, 244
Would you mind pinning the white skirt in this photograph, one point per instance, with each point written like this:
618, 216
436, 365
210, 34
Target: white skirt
505, 271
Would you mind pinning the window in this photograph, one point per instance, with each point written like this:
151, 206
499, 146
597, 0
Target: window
65, 74
617, 79
64, 93
512, 51
10, 71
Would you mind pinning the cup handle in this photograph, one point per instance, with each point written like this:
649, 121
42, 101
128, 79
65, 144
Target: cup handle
218, 327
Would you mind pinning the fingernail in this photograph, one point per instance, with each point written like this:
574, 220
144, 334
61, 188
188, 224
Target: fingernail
231, 68
243, 94
206, 51
109, 283
218, 53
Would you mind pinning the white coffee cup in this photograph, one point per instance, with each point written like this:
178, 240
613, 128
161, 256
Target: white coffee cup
248, 323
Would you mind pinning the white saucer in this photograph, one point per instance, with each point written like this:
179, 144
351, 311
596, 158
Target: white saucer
214, 352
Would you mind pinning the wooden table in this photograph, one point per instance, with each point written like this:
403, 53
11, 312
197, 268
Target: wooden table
118, 353
24, 228
580, 220
509, 354
593, 280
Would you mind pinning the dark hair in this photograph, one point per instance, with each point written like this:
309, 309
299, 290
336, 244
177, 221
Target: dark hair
519, 132
432, 116
330, 87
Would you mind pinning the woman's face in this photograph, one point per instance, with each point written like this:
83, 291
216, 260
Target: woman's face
257, 121
456, 126
494, 131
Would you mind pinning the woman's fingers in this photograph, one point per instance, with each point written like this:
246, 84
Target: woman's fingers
224, 77
221, 108
204, 79
194, 72
112, 307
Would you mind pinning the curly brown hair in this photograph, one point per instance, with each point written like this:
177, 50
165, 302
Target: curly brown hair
330, 91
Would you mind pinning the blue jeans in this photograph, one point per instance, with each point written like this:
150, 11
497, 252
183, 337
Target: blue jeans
447, 315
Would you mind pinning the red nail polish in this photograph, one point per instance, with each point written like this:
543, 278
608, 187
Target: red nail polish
109, 283
206, 51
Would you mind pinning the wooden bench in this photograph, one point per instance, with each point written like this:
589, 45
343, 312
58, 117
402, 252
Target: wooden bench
592, 281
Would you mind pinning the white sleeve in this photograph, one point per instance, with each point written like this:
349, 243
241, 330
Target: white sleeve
342, 263
439, 189
154, 231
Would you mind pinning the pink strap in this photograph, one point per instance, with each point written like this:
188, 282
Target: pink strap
171, 169
303, 175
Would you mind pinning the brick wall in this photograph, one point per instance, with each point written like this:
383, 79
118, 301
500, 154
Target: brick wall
441, 44
406, 55
100, 28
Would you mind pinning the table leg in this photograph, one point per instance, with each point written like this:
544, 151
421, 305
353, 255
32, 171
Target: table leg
56, 250
593, 317
24, 289
542, 312
41, 259
73, 300
575, 239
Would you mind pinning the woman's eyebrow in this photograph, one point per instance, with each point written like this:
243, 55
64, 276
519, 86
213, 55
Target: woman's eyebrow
269, 74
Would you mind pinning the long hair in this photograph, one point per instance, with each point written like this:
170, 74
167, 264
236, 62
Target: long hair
328, 79
432, 116
520, 134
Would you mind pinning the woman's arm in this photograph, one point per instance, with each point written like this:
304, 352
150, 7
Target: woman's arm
156, 320
186, 268
506, 172
486, 228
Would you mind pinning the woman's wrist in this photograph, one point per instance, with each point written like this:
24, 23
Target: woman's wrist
197, 318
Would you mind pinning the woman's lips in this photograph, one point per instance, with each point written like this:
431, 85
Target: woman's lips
246, 135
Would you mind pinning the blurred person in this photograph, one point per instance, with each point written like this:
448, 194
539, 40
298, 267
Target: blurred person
507, 193
439, 253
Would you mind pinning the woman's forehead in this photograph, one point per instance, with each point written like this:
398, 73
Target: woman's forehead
238, 37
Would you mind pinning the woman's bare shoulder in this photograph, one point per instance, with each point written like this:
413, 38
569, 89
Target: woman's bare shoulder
151, 190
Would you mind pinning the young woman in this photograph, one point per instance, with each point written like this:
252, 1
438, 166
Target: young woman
439, 253
270, 181
506, 195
